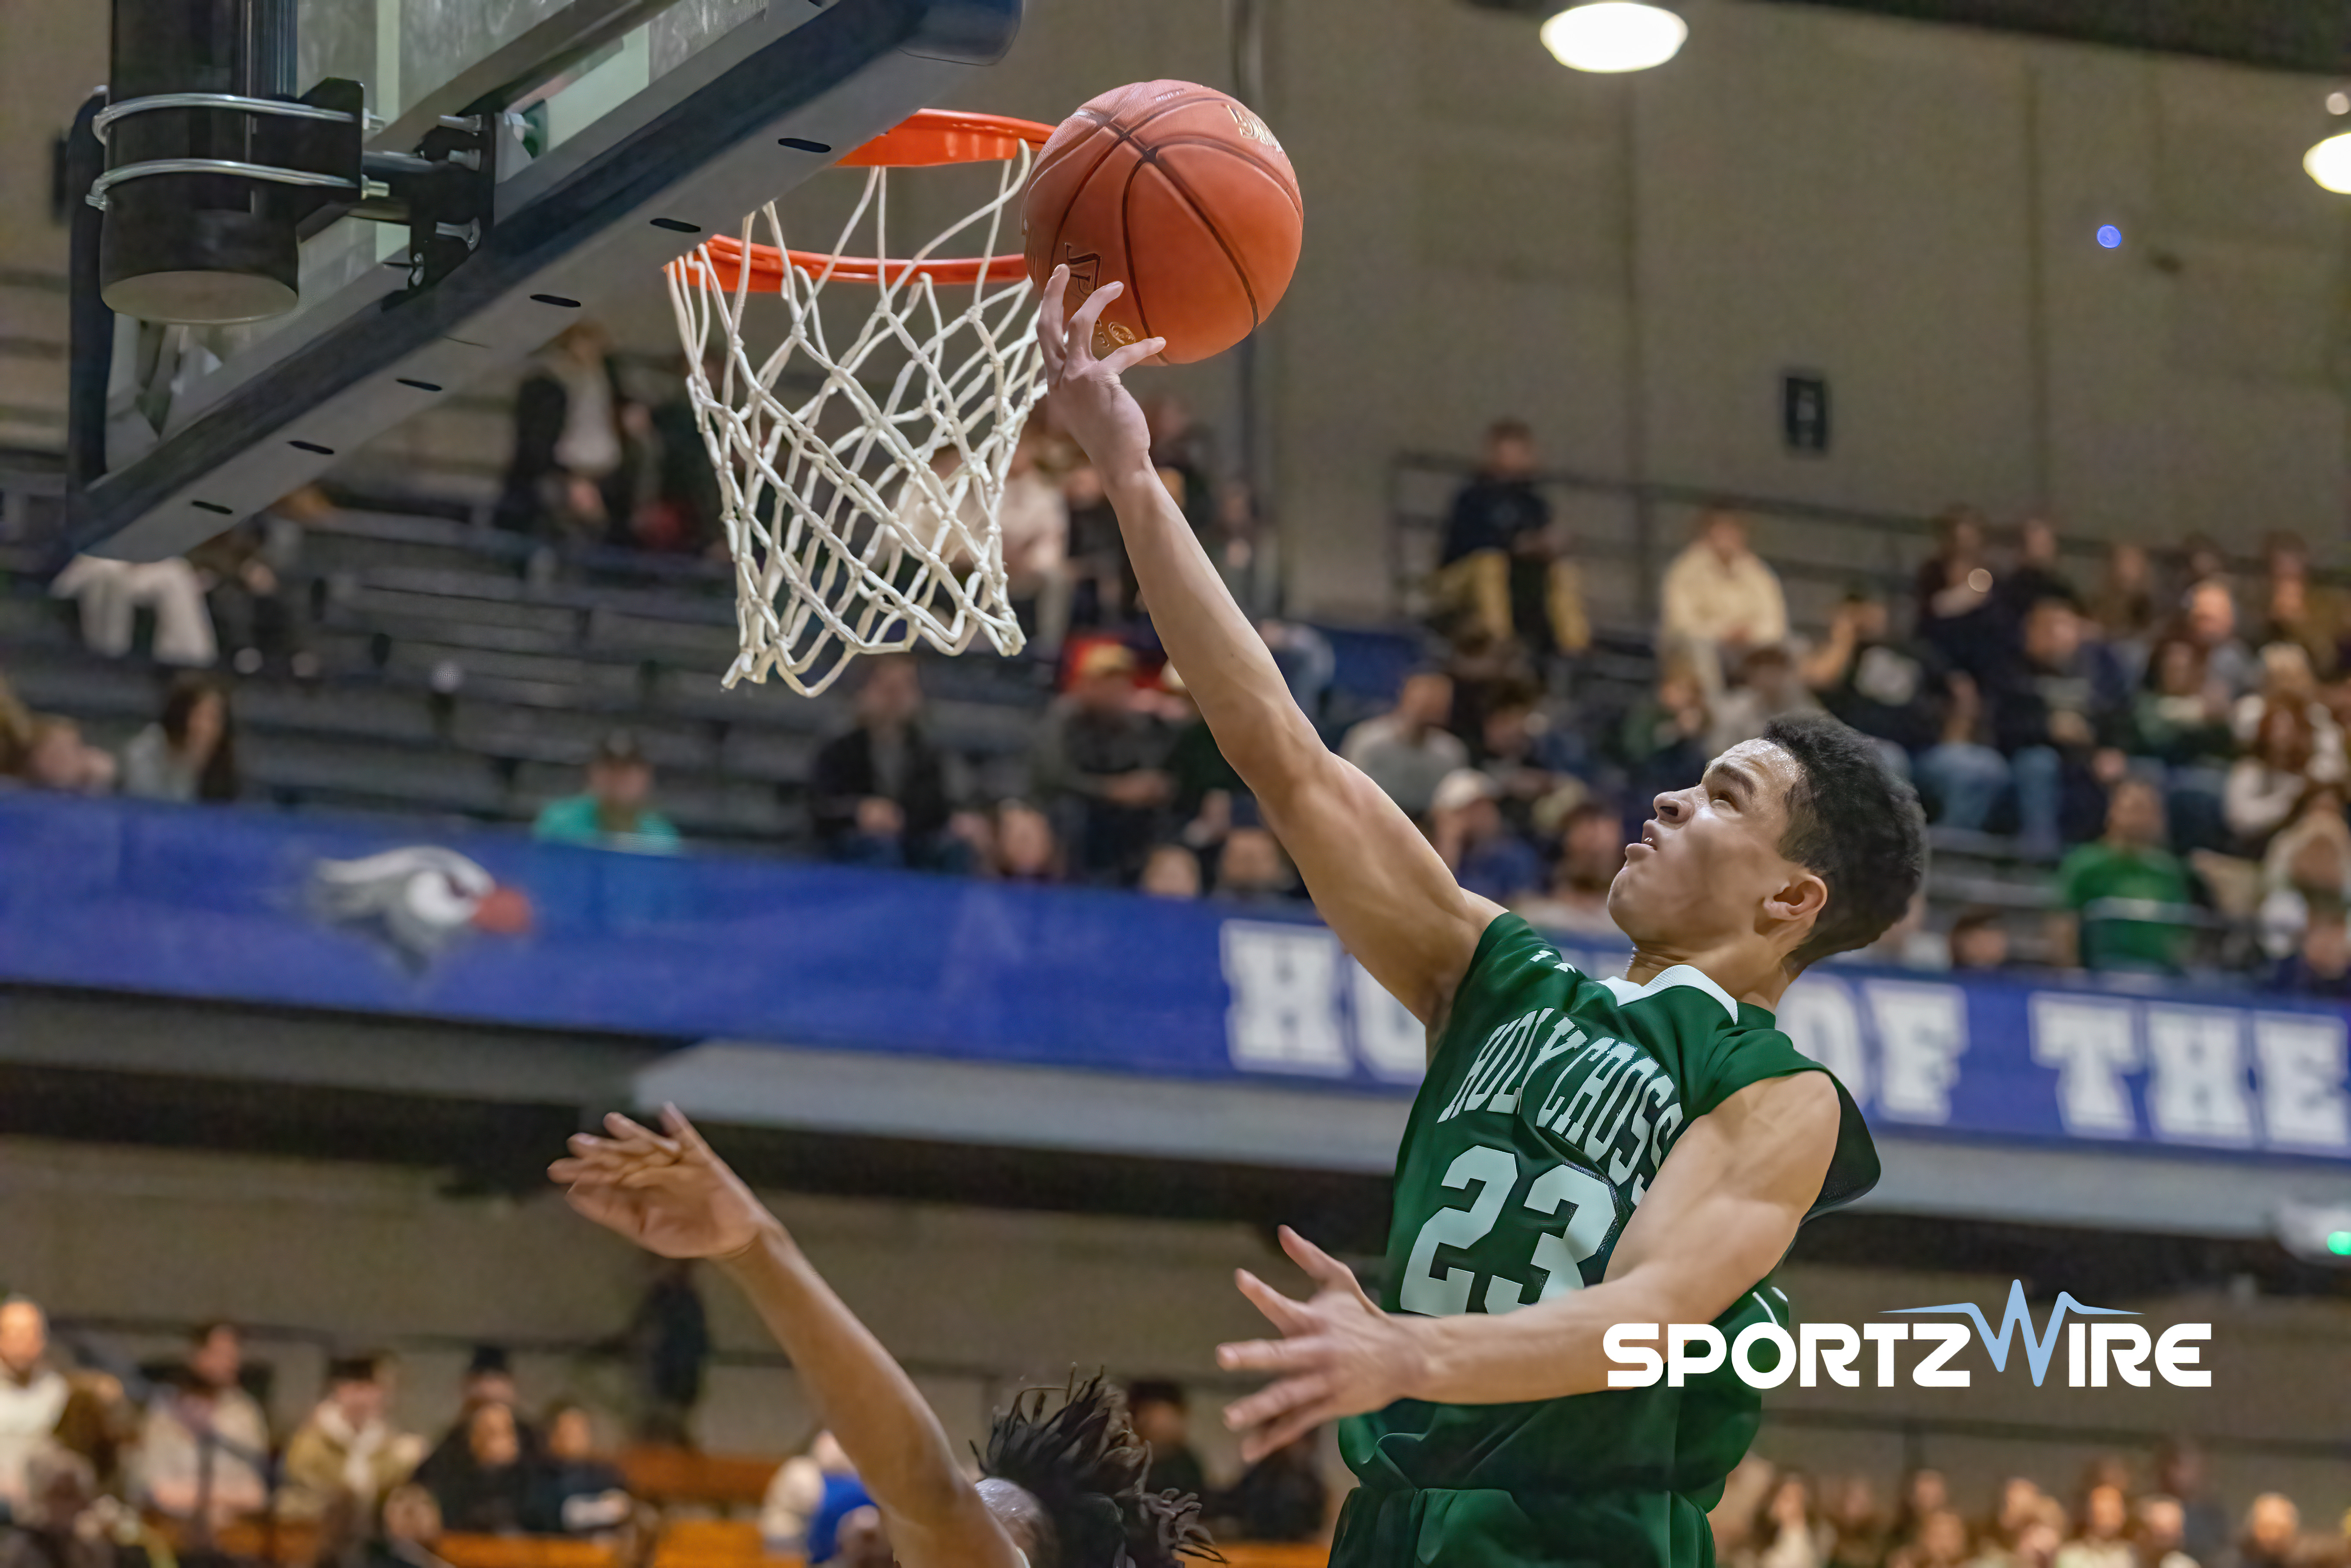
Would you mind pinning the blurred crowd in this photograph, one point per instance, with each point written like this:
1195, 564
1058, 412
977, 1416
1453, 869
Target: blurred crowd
1774, 1517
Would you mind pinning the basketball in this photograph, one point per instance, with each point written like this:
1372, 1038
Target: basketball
1180, 192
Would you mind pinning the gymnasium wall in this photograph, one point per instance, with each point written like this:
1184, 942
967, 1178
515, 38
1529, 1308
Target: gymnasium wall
975, 1300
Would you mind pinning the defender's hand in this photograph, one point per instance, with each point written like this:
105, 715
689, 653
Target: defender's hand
1089, 400
1340, 1356
669, 1194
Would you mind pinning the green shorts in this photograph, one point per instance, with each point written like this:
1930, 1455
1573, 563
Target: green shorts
1484, 1528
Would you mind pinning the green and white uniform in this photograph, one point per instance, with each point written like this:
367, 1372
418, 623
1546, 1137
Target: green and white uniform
1550, 1102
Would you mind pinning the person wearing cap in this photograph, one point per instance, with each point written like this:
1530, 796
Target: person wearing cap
612, 812
1465, 824
1099, 767
347, 1457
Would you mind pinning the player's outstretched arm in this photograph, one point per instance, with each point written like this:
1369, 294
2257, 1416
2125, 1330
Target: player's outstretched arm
1719, 1217
1372, 875
668, 1193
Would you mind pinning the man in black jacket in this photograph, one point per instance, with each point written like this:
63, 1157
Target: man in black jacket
884, 793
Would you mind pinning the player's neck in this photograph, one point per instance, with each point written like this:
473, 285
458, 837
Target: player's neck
1750, 975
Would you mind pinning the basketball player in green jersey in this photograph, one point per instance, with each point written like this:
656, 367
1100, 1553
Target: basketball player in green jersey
1584, 1152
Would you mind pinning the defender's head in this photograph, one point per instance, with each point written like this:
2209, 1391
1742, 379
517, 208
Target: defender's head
1801, 841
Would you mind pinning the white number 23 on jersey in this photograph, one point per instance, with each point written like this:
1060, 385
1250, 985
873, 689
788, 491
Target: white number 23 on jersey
1494, 1174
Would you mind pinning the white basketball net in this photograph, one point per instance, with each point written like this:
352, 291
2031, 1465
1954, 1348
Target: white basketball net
847, 536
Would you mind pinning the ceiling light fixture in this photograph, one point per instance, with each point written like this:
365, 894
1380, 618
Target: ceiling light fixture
1615, 36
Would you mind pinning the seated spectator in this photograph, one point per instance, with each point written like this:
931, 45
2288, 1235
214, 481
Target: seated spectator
204, 1447
1162, 1417
2320, 963
251, 609
1533, 762
1252, 867
1978, 940
1592, 851
64, 1522
1663, 741
488, 1379
2182, 720
1204, 783
112, 593
406, 1534
189, 754
1967, 775
614, 811
2103, 1540
56, 757
2059, 715
1467, 827
2267, 785
1032, 520
1282, 1496
2180, 1472
1022, 847
884, 793
573, 474
1099, 769
1718, 602
1242, 550
2273, 1533
574, 1492
2208, 619
1956, 614
2310, 616
2037, 574
2123, 899
1182, 452
2306, 867
2123, 607
1101, 576
1882, 686
32, 1395
1940, 1542
2287, 682
807, 1487
1856, 1525
1788, 1531
485, 1488
1769, 687
1502, 571
2159, 1526
681, 508
1407, 751
1171, 871
346, 1459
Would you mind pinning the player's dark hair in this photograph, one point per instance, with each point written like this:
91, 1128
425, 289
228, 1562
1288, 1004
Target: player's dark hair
1853, 825
1085, 1466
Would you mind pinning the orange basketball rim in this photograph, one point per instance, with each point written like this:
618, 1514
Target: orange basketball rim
928, 139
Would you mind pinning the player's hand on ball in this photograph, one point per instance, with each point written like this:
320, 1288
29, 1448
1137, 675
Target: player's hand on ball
666, 1191
1089, 400
1340, 1355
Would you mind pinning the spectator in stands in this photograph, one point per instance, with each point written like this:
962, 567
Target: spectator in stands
1967, 776
1033, 522
204, 1447
2102, 1539
2123, 899
1407, 751
1282, 1496
2123, 607
2287, 682
1180, 450
1163, 1417
807, 1486
573, 1491
58, 1524
1244, 551
2273, 1533
681, 511
1501, 571
1171, 871
251, 609
346, 1459
1769, 687
1592, 851
2320, 964
2203, 560
1103, 577
1252, 866
2158, 1526
883, 793
2209, 617
1978, 940
1534, 763
2267, 785
1718, 601
1099, 767
2305, 869
190, 753
2311, 616
1857, 1526
486, 1490
409, 1527
1664, 740
56, 757
573, 474
1467, 827
32, 1394
669, 1346
1924, 1492
614, 811
2179, 1472
2037, 574
1956, 612
2182, 720
1023, 847
1788, 1531
112, 593
2060, 717
1881, 685
1940, 1541
488, 1379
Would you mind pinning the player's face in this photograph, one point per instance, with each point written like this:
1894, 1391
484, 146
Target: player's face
1705, 862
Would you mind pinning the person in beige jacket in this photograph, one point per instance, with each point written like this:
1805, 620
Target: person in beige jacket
347, 1454
1718, 601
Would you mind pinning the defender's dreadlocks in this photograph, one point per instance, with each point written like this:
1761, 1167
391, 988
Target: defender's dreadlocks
1085, 1466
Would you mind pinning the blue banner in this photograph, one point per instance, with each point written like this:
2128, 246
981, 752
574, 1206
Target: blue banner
488, 926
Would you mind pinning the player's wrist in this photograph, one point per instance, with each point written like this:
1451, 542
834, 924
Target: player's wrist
1416, 1356
1133, 481
769, 1241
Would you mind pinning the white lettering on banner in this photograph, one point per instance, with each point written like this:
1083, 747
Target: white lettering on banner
1818, 1016
2196, 1089
2091, 1044
2175, 1356
2302, 1066
1921, 1033
1394, 1043
1284, 980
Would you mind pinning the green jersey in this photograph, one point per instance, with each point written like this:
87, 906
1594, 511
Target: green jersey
1551, 1101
